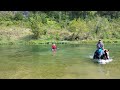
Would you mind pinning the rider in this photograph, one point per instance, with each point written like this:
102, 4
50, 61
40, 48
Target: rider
100, 45
100, 48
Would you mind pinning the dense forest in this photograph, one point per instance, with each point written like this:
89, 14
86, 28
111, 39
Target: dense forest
65, 25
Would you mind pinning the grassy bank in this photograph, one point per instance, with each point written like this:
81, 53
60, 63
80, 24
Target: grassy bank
23, 36
44, 42
37, 42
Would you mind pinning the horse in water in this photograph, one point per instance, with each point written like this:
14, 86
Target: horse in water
101, 54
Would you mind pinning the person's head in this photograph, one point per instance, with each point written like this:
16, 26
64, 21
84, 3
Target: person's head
99, 40
53, 43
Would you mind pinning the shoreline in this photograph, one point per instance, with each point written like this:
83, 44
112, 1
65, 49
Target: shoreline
45, 42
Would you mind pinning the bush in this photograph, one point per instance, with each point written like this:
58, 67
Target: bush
79, 29
18, 16
38, 29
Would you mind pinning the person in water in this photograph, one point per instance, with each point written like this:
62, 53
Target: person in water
98, 53
100, 50
100, 45
54, 48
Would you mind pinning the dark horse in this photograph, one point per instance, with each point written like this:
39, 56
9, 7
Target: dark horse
105, 55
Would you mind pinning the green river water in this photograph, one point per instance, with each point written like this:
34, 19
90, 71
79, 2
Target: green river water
69, 62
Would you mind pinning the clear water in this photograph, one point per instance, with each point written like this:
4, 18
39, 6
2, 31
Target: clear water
69, 62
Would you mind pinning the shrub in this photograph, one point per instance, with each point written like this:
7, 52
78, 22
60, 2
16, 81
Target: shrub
18, 16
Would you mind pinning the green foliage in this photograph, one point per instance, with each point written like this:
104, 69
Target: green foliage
66, 25
18, 16
6, 15
6, 23
43, 18
38, 29
79, 29
78, 26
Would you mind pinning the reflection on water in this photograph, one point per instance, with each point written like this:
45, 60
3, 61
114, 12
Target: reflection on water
70, 61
